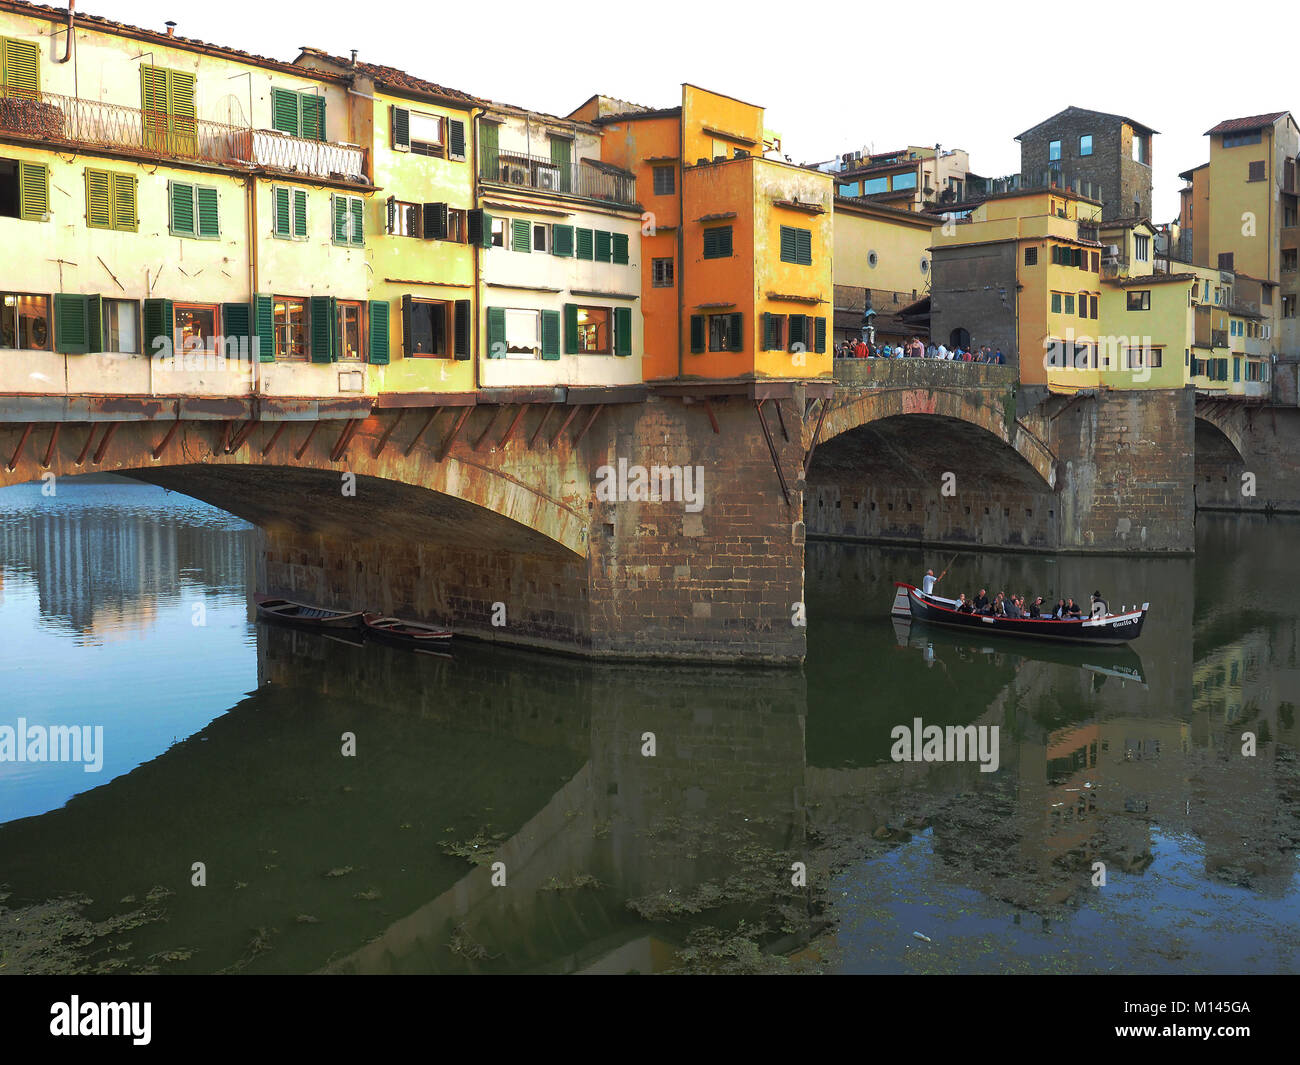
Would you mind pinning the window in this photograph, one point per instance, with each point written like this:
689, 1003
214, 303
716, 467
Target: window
725, 332
195, 327
523, 334
498, 232
457, 225
1069, 303
665, 180
167, 111
1289, 259
1085, 144
403, 219
24, 190
870, 186
717, 242
1031, 256
798, 333
661, 271
585, 244
25, 322
594, 330
1289, 214
1083, 305
904, 181
1141, 148
1144, 358
1093, 300
1141, 248
1288, 306
1053, 151
1255, 171
1226, 260
604, 246
290, 317
121, 326
796, 245
1056, 303
1238, 140
1139, 301
110, 201
850, 189
348, 214
300, 113
21, 63
1266, 295
774, 332
561, 239
289, 212
426, 134
352, 340
425, 327
539, 237
193, 210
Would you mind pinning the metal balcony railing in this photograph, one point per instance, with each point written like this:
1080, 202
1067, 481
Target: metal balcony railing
501, 167
69, 120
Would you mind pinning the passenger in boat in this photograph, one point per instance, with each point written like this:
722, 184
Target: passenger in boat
1011, 608
982, 602
1000, 606
964, 605
1100, 608
1036, 608
927, 582
1059, 612
1072, 609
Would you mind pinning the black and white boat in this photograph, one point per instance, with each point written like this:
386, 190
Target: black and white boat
935, 610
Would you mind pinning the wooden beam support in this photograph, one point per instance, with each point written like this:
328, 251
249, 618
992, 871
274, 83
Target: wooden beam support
266, 448
156, 453
103, 443
771, 447
546, 416
297, 455
49, 448
224, 447
383, 440
781, 418
428, 421
455, 430
812, 449
523, 409
573, 413
345, 438
591, 418
241, 437
22, 443
81, 458
713, 418
478, 444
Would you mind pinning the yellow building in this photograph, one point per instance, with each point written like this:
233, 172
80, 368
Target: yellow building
882, 260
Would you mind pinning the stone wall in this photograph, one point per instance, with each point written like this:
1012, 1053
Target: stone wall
974, 288
1122, 181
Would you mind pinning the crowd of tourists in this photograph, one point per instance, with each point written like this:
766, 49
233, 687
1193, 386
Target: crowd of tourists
1015, 606
915, 348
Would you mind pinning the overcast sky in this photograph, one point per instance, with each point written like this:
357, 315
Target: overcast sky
833, 77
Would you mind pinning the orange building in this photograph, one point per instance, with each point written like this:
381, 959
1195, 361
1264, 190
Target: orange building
736, 247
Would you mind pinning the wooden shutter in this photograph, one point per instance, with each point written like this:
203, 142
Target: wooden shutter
153, 106
99, 199
496, 333
819, 335
237, 324
324, 326
460, 329
735, 332
33, 191
407, 347
479, 226
206, 200
263, 328
339, 211
181, 200
284, 111
95, 322
620, 248
71, 328
571, 327
584, 243
313, 116
767, 331
711, 243
281, 221
550, 335
788, 251
158, 325
697, 333
22, 70
401, 129
125, 216
521, 235
183, 125
489, 153
299, 212
803, 247
604, 246
798, 332
622, 330
435, 221
357, 207
561, 239
456, 138
377, 336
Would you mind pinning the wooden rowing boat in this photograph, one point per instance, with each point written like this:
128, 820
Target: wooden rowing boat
1110, 629
302, 614
410, 634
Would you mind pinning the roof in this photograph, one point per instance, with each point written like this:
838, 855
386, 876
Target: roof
392, 78
1186, 175
1245, 125
871, 168
625, 116
607, 168
1153, 279
1086, 111
870, 205
1131, 221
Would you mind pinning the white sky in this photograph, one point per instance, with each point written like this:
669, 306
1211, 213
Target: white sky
833, 77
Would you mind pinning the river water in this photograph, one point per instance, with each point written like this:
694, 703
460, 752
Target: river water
267, 800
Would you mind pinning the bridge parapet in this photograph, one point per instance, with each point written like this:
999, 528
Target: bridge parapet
923, 373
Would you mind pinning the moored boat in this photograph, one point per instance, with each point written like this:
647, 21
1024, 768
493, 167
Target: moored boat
1108, 629
411, 634
305, 615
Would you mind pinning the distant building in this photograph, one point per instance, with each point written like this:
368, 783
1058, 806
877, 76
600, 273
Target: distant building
912, 178
1106, 157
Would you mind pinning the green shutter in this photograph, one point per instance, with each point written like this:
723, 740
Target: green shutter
71, 328
434, 219
339, 209
460, 329
299, 212
95, 323
550, 335
496, 333
456, 138
622, 330
401, 128
22, 69
206, 198
125, 217
281, 223
787, 245
711, 243
323, 328
284, 111
313, 116
33, 191
584, 243
803, 247
358, 208
378, 335
562, 160
237, 324
697, 333
159, 331
263, 323
604, 246
735, 333
489, 153
561, 239
181, 199
571, 326
767, 331
479, 225
99, 199
819, 342
620, 248
521, 238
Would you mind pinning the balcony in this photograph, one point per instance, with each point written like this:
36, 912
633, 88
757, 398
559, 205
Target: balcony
587, 180
68, 121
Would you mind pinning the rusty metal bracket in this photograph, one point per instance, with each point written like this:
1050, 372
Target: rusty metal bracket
266, 448
345, 438
428, 421
590, 418
812, 448
22, 443
241, 437
383, 440
49, 448
455, 430
523, 409
478, 444
90, 438
103, 443
713, 418
224, 447
167, 439
573, 413
780, 417
310, 433
546, 417
771, 447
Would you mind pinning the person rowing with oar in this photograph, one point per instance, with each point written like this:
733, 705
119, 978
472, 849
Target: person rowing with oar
930, 580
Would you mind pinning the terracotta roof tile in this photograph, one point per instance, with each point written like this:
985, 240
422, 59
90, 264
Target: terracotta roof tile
393, 78
1245, 125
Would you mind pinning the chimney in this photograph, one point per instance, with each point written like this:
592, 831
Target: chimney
171, 29
354, 57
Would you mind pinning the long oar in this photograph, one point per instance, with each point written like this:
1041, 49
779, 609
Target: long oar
946, 568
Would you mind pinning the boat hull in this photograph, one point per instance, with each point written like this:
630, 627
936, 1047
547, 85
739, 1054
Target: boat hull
1115, 629
304, 615
408, 634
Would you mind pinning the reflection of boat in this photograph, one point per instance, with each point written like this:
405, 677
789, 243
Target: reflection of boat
1121, 662
1111, 629
409, 634
310, 617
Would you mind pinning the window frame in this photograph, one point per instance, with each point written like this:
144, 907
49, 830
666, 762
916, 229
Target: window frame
295, 195
113, 178
717, 253
46, 319
1053, 151
609, 318
801, 245
448, 329
1085, 151
341, 305
1143, 300
281, 340
430, 149
105, 305
178, 346
658, 171
657, 272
